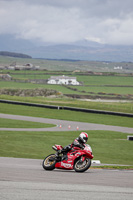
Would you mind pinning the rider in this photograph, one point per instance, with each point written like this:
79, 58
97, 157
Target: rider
78, 142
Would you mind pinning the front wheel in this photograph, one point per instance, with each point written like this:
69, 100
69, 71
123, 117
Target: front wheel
80, 166
49, 162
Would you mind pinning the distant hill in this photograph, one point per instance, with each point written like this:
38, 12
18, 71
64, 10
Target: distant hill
79, 50
12, 54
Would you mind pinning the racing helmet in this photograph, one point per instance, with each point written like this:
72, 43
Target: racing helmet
83, 137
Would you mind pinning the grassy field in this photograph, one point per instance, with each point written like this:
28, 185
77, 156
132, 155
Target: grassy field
10, 123
16, 85
103, 89
108, 147
94, 92
105, 80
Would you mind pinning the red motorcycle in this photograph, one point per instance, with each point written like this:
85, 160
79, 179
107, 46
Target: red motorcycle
77, 159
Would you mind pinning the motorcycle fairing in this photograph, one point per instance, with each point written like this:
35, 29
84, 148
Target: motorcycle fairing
72, 155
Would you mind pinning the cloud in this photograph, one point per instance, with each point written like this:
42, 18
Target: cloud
66, 21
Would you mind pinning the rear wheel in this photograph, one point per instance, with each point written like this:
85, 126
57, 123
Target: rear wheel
80, 166
49, 162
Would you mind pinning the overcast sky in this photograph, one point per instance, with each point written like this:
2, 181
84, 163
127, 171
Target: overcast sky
64, 21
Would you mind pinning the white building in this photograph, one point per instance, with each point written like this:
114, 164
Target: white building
63, 80
118, 67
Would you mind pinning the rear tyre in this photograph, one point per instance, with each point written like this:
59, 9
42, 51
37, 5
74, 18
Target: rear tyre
80, 166
49, 162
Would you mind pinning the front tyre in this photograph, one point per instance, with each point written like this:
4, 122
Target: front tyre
80, 166
49, 162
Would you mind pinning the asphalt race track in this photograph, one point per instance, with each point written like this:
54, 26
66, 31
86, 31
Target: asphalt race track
25, 179
63, 125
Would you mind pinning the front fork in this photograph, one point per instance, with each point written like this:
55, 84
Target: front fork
82, 159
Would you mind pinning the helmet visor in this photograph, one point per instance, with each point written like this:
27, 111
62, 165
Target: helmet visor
85, 139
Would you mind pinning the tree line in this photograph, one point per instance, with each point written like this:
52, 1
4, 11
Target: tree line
13, 54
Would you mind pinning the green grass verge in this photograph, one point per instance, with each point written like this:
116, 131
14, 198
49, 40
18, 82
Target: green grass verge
108, 147
66, 115
113, 167
104, 89
10, 123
